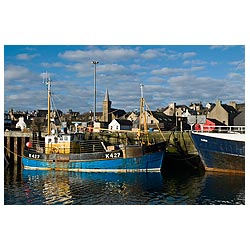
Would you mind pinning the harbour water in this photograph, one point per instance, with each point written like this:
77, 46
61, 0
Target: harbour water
30, 187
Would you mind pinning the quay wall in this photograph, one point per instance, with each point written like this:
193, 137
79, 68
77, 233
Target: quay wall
14, 141
177, 140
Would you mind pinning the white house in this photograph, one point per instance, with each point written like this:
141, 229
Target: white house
120, 124
21, 124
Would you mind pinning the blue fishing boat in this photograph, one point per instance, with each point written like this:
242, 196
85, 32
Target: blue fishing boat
222, 149
75, 152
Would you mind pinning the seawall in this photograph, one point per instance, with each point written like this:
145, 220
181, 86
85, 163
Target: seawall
180, 144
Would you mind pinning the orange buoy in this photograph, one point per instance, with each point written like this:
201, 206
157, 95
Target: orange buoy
29, 144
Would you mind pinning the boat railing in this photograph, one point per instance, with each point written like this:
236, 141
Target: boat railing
221, 129
37, 146
85, 146
89, 146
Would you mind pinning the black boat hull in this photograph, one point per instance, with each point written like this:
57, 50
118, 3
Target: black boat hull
220, 154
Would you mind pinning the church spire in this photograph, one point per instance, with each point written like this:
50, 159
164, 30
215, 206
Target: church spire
106, 105
106, 98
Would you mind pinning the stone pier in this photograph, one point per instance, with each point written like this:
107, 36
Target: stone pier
178, 142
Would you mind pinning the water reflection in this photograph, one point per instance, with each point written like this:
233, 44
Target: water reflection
221, 188
93, 188
58, 187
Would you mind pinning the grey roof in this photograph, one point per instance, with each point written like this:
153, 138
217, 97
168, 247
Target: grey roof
124, 122
161, 117
117, 112
229, 109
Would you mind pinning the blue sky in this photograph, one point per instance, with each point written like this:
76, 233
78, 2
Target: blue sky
181, 74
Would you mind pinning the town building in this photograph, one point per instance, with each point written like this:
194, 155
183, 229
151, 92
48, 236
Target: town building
108, 113
181, 110
170, 110
223, 113
132, 116
120, 124
173, 117
239, 120
155, 120
198, 107
7, 121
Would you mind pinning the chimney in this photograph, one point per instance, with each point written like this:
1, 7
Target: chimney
218, 102
233, 104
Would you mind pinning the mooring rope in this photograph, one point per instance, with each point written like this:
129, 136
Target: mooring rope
14, 153
21, 156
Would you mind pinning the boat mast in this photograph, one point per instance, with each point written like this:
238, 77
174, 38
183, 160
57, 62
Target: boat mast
95, 63
48, 83
142, 113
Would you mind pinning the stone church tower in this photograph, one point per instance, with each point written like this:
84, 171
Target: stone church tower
106, 106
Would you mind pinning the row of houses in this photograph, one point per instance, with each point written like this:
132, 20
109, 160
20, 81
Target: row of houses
173, 117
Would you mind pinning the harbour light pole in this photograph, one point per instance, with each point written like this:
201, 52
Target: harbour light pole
95, 63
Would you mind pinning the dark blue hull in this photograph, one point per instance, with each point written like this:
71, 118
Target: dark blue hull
219, 153
150, 160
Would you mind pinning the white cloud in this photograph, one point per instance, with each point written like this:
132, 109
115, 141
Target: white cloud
197, 68
168, 71
81, 69
52, 65
187, 88
156, 79
172, 71
238, 64
221, 47
195, 62
26, 56
152, 53
136, 67
234, 76
213, 63
107, 70
188, 54
111, 68
16, 72
97, 54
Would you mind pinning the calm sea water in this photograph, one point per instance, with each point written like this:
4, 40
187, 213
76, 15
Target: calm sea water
26, 187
